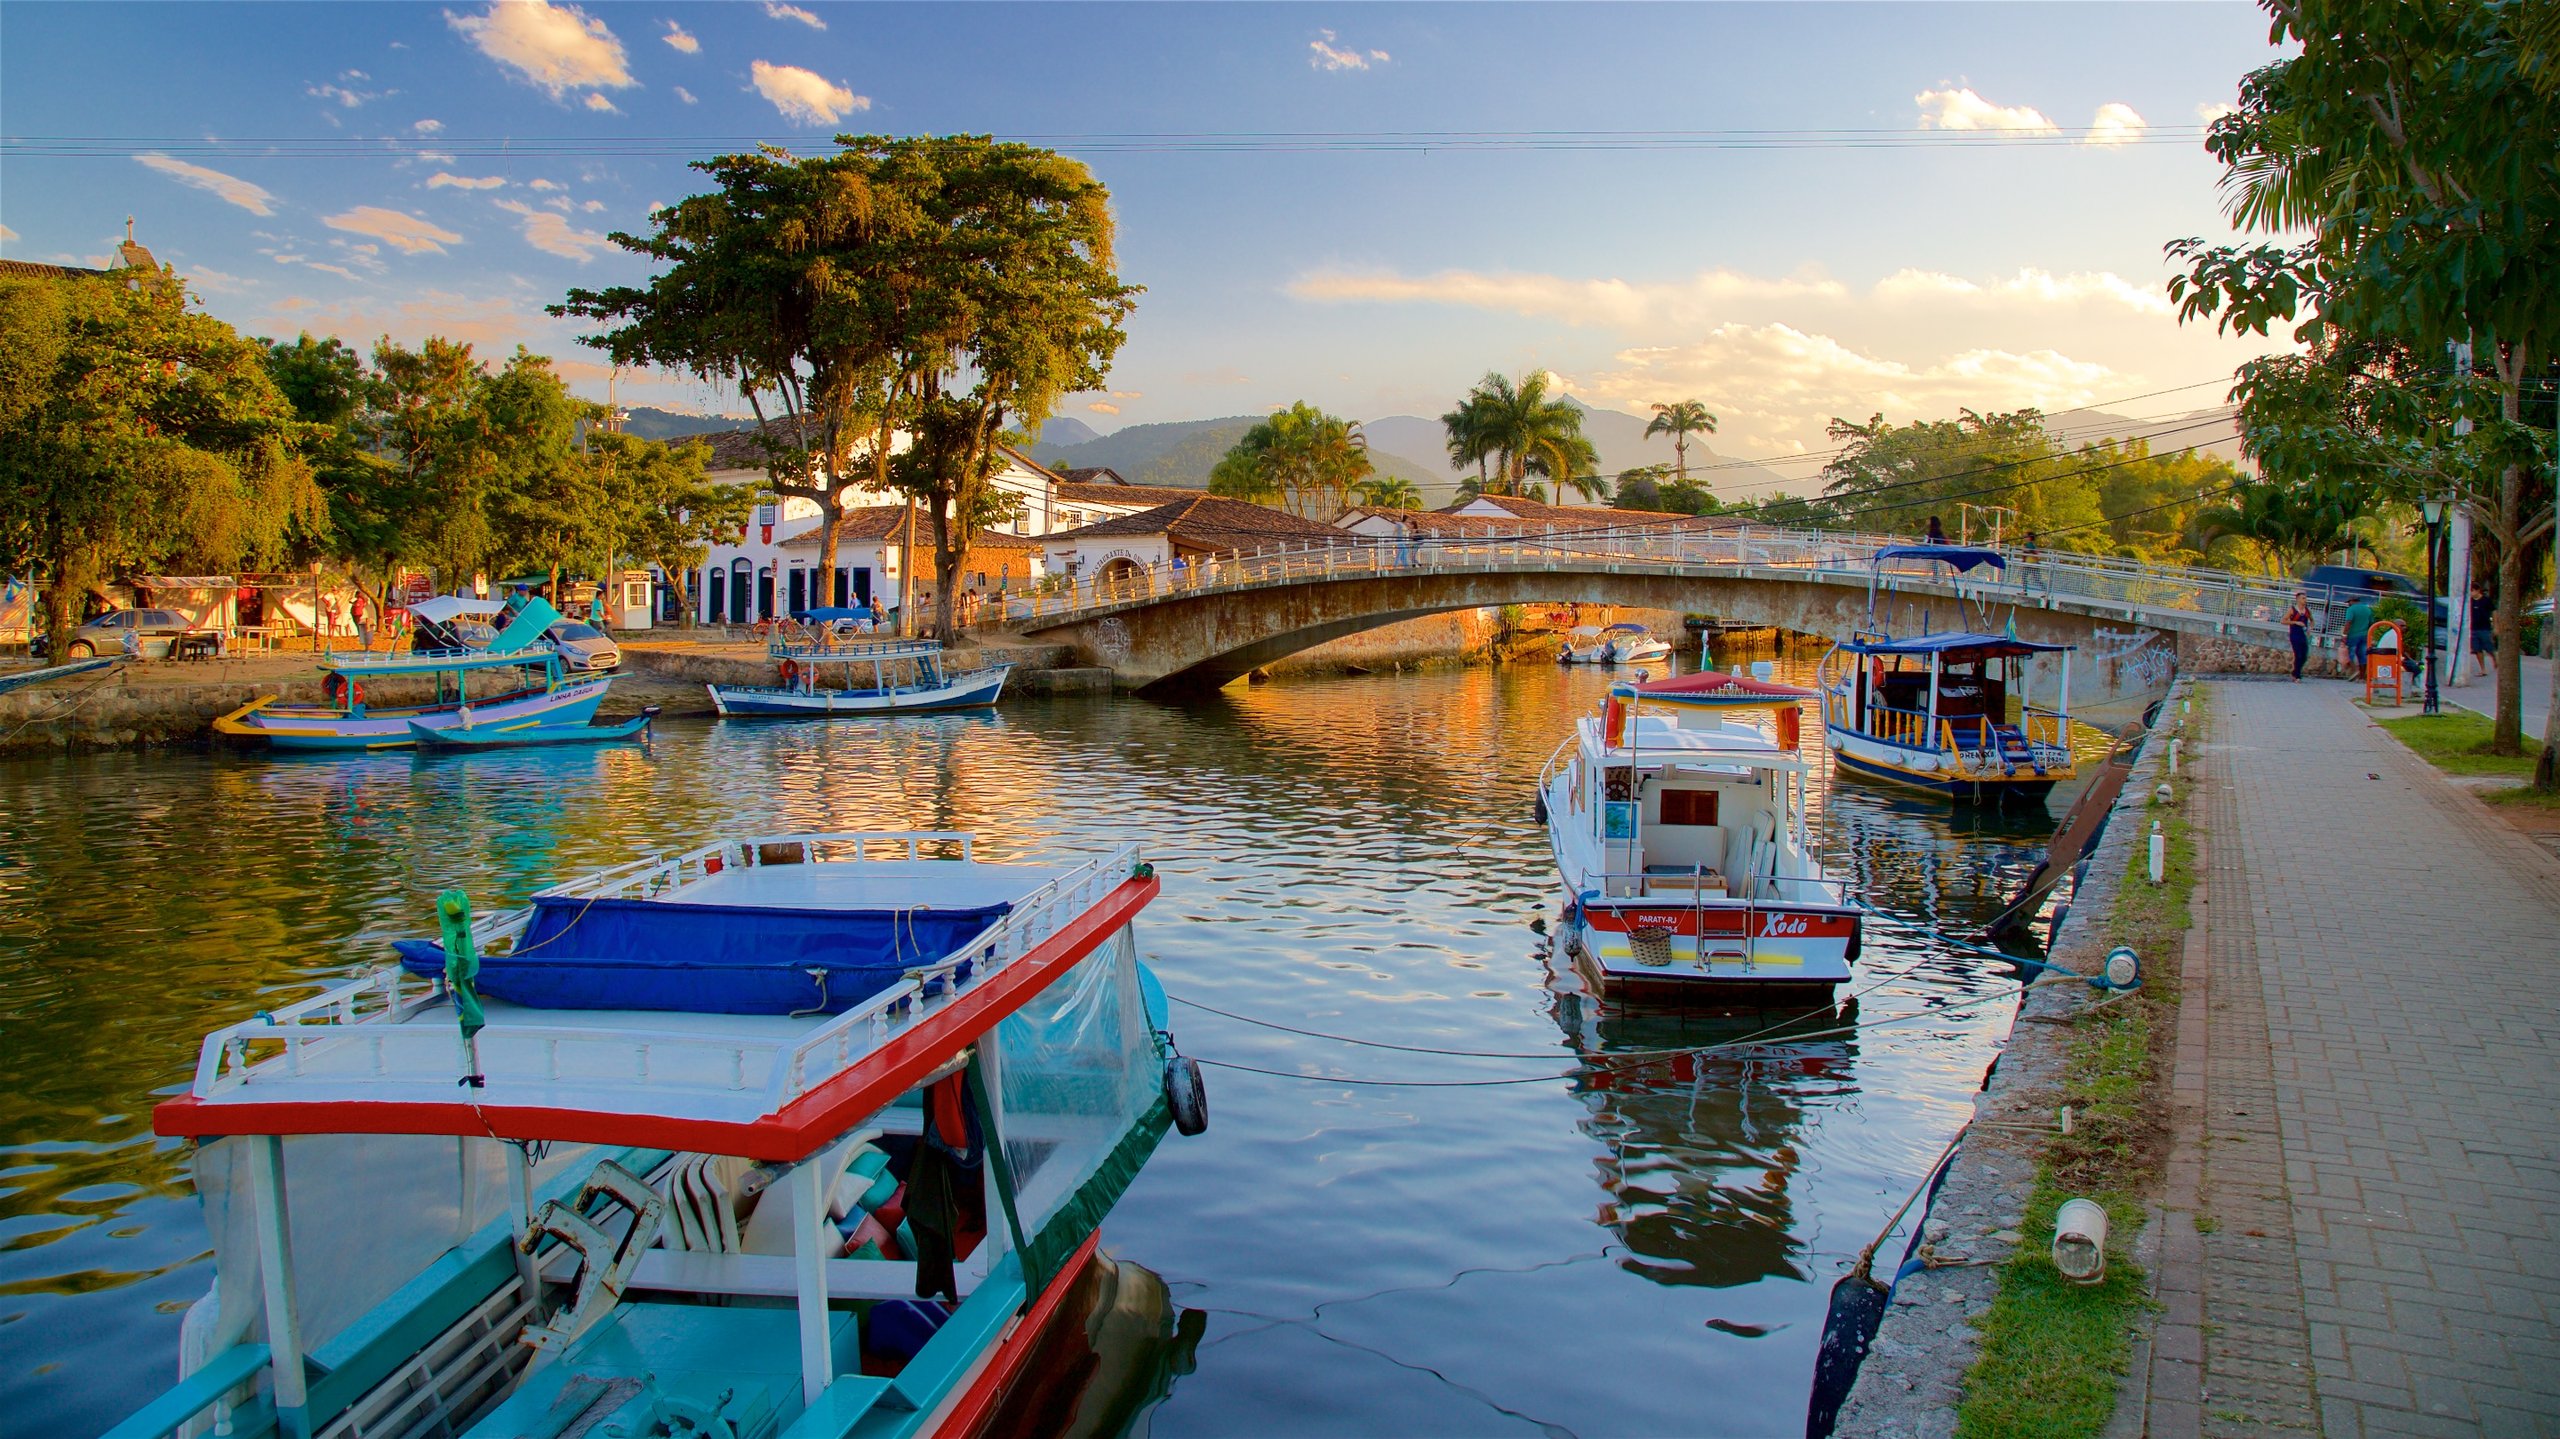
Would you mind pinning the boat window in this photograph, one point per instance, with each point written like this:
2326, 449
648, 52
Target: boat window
1689, 806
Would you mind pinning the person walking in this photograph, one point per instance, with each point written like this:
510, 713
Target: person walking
2297, 628
1937, 532
2484, 629
2359, 626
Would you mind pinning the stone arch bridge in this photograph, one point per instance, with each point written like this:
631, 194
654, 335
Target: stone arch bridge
1199, 626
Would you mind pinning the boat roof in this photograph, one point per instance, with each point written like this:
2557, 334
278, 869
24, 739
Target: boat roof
1717, 688
1626, 625
1657, 740
529, 625
421, 662
380, 1054
1952, 644
864, 651
1962, 557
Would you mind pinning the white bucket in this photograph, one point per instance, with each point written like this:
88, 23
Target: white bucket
2080, 1240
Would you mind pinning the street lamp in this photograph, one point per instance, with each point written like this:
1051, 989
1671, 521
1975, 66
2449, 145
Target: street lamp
2434, 510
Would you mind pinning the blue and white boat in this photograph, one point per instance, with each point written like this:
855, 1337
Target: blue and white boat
513, 683
804, 1136
862, 677
1950, 711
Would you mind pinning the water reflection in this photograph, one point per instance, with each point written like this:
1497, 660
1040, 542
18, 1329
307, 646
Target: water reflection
1349, 857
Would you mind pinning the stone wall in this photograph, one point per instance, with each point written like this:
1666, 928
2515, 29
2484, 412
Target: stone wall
104, 711
1406, 644
2214, 655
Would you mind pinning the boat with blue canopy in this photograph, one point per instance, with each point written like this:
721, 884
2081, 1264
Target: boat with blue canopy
793, 1137
829, 676
1950, 711
379, 701
531, 734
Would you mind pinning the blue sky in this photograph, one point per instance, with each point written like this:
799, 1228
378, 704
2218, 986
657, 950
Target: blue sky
388, 168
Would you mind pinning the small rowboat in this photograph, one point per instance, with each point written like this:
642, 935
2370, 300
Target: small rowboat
479, 737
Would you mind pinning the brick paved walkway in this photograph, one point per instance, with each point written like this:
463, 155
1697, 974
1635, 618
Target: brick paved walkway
2381, 1097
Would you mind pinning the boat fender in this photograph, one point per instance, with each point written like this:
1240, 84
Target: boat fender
1185, 1094
1538, 807
790, 674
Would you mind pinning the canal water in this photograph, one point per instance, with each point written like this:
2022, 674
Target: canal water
1370, 1241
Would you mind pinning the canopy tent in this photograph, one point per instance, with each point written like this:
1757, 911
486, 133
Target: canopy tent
442, 608
1961, 557
1954, 646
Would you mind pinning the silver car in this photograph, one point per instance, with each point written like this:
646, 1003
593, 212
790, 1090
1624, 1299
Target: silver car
583, 647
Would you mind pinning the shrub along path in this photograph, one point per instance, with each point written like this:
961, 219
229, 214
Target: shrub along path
2379, 1097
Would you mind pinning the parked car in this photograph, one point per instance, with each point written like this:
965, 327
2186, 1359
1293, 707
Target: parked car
2334, 587
104, 635
583, 647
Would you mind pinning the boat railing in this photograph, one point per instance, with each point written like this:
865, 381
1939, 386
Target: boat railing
826, 648
356, 1028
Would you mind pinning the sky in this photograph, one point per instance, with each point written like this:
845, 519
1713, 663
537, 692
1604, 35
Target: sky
1789, 212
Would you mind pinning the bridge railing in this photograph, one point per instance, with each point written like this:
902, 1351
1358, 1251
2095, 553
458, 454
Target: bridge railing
2037, 578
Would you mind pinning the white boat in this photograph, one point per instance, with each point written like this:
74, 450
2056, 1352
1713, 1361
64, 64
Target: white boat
1680, 837
862, 677
828, 1166
1624, 643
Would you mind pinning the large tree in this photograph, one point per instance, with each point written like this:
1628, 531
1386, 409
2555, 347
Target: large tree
378, 517
549, 506
2419, 145
135, 432
424, 421
668, 512
1302, 459
1522, 431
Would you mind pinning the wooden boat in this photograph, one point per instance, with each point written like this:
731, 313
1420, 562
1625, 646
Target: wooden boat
531, 687
1947, 712
1681, 842
828, 1166
862, 677
1625, 643
486, 736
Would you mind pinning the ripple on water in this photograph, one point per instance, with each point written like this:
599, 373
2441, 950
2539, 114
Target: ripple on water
1350, 857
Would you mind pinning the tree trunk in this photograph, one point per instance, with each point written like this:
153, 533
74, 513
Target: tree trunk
2506, 735
70, 576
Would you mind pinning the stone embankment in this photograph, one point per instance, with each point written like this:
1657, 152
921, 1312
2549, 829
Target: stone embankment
1910, 1384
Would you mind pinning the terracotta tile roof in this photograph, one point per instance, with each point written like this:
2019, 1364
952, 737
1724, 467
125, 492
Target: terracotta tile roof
1093, 475
1580, 515
1209, 523
33, 270
732, 450
883, 522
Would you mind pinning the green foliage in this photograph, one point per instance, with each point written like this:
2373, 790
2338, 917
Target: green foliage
1388, 492
664, 508
1680, 420
1301, 458
1515, 432
2292, 527
1656, 489
2458, 742
135, 433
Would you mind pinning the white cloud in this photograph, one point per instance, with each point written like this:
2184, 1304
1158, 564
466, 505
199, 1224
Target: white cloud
557, 47
440, 181
552, 234
428, 127
230, 188
1102, 407
1965, 110
793, 12
596, 101
544, 184
2116, 124
803, 96
677, 37
685, 95
215, 282
2213, 110
408, 234
1324, 54
7, 234
346, 98
593, 207
1615, 302
288, 258
2031, 286
435, 157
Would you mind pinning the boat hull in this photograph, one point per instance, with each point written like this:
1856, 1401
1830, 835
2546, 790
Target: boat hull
310, 727
486, 737
1711, 951
975, 690
1927, 770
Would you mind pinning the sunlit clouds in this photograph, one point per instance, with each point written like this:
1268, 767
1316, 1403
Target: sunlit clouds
552, 233
442, 181
1324, 53
231, 189
1964, 110
803, 96
679, 39
408, 234
2117, 124
556, 47
793, 12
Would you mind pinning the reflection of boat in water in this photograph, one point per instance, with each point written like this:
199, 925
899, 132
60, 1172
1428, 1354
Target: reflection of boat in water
1934, 711
1703, 1151
804, 1133
1096, 1379
1682, 844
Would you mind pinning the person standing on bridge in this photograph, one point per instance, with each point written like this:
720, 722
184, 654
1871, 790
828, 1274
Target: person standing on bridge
2297, 628
1937, 532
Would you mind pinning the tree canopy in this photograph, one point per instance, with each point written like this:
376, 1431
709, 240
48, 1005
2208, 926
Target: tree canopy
1514, 431
1300, 459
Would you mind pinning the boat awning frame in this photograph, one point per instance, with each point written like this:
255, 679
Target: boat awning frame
1955, 645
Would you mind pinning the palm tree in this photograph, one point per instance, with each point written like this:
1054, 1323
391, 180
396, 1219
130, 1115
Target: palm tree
1299, 458
1680, 421
1388, 492
1522, 431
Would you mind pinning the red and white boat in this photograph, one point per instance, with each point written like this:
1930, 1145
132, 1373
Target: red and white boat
1680, 836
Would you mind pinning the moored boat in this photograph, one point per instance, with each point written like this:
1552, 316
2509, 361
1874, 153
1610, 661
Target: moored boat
1681, 843
1948, 712
531, 734
863, 677
1624, 643
518, 683
803, 1135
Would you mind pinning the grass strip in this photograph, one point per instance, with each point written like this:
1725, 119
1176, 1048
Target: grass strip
2052, 1352
2457, 742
